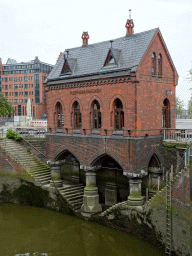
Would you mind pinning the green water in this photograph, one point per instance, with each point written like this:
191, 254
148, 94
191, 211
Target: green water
35, 231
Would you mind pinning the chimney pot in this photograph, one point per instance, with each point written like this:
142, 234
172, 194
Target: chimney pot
85, 37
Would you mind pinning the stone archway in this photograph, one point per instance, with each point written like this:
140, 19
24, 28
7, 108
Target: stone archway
70, 167
112, 185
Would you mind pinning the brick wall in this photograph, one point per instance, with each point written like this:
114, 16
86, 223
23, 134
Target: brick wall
87, 149
7, 163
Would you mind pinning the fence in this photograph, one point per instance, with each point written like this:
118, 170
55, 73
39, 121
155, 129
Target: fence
178, 135
25, 132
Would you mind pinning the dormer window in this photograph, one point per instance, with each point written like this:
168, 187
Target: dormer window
66, 69
110, 60
68, 66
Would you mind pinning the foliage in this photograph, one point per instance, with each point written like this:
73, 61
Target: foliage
5, 194
29, 150
179, 106
5, 107
30, 194
13, 135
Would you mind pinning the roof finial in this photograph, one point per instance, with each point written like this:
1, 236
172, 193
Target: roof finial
111, 41
130, 14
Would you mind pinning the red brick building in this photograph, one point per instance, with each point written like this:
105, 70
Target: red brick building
108, 102
22, 81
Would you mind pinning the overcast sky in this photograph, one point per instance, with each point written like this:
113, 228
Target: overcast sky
44, 28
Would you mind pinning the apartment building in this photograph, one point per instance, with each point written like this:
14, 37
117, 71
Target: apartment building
22, 81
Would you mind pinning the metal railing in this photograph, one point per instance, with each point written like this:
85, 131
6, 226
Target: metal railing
25, 132
180, 135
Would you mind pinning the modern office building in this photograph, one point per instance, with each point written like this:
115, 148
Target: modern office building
22, 81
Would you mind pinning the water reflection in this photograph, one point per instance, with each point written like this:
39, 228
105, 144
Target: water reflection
34, 231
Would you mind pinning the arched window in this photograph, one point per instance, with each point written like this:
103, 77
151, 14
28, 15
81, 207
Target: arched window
153, 66
77, 116
59, 115
96, 115
166, 114
119, 114
160, 65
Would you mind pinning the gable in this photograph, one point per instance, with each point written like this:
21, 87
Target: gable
158, 48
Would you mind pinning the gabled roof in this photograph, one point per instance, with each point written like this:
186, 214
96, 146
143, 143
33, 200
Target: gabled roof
128, 52
11, 61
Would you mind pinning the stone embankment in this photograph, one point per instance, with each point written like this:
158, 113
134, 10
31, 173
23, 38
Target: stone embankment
149, 221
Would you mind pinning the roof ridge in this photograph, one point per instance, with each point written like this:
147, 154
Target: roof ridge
112, 39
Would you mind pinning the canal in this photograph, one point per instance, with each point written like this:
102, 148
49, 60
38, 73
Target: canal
30, 231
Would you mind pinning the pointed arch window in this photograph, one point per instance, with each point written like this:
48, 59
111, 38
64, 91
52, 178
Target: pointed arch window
77, 116
96, 115
153, 63
160, 65
154, 162
166, 114
118, 114
59, 115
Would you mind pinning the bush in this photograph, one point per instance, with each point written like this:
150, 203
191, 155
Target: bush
13, 135
10, 134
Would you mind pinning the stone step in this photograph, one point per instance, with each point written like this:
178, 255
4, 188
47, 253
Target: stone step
71, 189
69, 192
37, 168
74, 198
43, 179
40, 170
77, 193
46, 181
42, 175
77, 202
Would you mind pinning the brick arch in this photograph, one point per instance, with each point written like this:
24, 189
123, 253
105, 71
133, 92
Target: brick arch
150, 154
117, 96
103, 152
95, 97
55, 102
72, 102
64, 149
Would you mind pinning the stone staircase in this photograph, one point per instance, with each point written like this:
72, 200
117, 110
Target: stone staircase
40, 171
73, 194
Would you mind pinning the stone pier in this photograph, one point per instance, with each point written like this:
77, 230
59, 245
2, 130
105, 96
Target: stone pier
55, 174
76, 171
91, 197
135, 198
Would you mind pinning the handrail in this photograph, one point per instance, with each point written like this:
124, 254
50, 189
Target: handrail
33, 146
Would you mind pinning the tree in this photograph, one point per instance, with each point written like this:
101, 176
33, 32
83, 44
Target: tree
5, 107
190, 107
179, 106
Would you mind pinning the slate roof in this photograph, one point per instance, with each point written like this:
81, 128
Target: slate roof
90, 59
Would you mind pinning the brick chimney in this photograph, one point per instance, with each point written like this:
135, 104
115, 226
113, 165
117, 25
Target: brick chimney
129, 25
59, 56
85, 37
